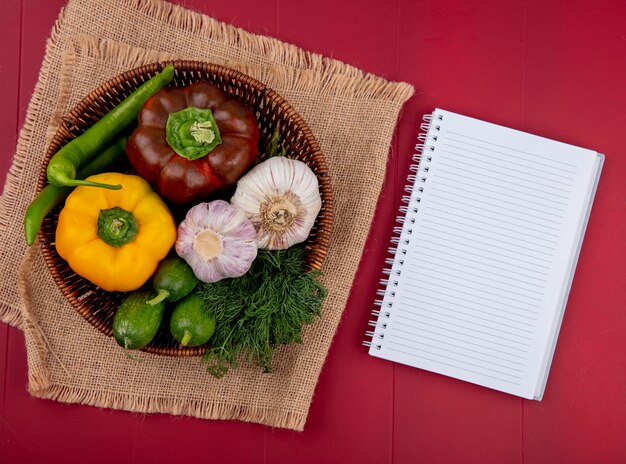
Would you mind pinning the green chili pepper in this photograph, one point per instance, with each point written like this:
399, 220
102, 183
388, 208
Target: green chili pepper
64, 164
52, 195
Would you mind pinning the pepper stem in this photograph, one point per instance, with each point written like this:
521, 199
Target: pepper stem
117, 227
186, 338
162, 294
202, 132
63, 180
192, 132
86, 183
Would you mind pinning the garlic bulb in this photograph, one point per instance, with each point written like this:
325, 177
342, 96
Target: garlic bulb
217, 241
281, 197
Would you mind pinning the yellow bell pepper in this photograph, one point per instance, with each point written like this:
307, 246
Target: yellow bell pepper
115, 238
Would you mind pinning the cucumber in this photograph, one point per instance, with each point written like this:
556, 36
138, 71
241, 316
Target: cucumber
136, 322
173, 280
189, 324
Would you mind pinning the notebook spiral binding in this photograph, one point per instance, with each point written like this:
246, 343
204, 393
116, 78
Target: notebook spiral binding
418, 173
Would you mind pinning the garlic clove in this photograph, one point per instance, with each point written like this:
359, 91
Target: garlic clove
281, 198
234, 252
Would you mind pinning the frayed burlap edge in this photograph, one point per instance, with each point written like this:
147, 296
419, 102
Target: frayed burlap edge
360, 86
274, 50
11, 186
198, 409
30, 326
11, 314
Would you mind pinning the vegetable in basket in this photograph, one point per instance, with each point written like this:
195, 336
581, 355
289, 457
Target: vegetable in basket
193, 141
262, 310
173, 280
281, 197
136, 322
115, 238
217, 241
190, 325
63, 166
52, 195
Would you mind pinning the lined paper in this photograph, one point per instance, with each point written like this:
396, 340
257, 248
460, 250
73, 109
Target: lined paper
487, 249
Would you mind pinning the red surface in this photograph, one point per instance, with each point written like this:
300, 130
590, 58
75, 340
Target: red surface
554, 68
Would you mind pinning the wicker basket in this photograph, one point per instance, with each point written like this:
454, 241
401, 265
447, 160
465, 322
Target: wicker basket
98, 306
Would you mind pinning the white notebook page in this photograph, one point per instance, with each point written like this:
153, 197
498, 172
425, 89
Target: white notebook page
491, 242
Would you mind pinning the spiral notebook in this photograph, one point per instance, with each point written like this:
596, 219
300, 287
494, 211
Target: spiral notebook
484, 254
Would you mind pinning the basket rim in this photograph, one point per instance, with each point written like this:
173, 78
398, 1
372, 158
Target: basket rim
72, 122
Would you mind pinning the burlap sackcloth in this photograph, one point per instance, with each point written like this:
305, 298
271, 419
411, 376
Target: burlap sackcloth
352, 114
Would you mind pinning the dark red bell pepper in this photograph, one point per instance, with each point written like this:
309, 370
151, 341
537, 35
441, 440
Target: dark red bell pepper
193, 141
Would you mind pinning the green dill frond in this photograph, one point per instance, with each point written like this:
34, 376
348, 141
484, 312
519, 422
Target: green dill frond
263, 309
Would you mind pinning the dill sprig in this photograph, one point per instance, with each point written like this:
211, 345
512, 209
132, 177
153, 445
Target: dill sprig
261, 310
